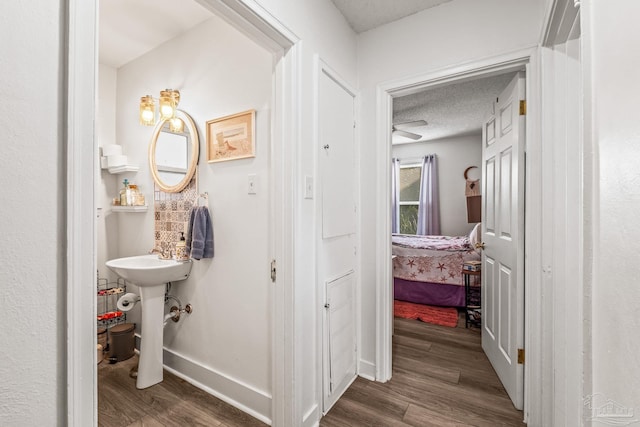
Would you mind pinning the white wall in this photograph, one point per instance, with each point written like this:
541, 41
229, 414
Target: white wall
219, 72
106, 184
32, 226
324, 32
455, 154
611, 72
450, 34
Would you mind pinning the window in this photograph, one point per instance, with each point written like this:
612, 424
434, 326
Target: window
409, 197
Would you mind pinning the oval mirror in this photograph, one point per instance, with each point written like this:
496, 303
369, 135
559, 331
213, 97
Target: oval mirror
173, 152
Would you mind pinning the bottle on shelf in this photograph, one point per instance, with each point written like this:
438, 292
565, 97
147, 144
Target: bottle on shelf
137, 198
125, 194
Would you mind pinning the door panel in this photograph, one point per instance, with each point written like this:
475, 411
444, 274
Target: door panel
490, 132
503, 253
489, 314
505, 194
336, 234
337, 159
505, 305
341, 336
489, 197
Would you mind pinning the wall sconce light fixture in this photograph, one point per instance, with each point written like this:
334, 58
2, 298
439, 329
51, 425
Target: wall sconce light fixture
168, 103
147, 111
169, 100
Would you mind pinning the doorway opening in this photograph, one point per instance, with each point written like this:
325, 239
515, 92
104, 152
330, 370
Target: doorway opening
387, 93
442, 268
266, 32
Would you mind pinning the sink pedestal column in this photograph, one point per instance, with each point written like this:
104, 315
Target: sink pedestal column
151, 340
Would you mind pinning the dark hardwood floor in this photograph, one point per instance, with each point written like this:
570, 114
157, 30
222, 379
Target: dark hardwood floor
173, 402
441, 377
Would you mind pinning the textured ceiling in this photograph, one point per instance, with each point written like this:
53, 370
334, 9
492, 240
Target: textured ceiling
131, 28
364, 15
456, 109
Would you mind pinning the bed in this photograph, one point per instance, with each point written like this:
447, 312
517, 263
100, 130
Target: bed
427, 269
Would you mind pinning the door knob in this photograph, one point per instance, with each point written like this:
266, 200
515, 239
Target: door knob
480, 245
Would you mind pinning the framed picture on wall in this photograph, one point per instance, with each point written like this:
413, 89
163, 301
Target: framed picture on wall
231, 137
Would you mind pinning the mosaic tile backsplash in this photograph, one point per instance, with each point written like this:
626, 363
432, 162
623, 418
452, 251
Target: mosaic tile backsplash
171, 212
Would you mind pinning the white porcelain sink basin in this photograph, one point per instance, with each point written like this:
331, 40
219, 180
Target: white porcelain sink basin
149, 270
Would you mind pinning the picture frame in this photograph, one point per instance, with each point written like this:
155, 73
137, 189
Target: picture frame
231, 137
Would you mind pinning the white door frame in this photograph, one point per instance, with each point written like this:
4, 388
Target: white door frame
254, 21
384, 291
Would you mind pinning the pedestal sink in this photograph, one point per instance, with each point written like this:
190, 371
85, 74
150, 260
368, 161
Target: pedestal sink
150, 274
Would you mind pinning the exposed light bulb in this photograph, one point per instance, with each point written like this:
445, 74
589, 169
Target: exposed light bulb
166, 111
176, 125
169, 99
147, 115
147, 111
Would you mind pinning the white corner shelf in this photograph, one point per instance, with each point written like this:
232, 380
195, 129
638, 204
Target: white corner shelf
122, 169
129, 208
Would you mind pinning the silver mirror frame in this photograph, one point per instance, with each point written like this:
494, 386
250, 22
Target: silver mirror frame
193, 161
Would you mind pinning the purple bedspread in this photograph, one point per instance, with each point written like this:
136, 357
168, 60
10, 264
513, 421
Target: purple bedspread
428, 293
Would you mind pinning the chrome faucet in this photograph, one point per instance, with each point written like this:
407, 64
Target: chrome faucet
162, 254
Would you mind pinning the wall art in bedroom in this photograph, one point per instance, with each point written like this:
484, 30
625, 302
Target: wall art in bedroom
231, 137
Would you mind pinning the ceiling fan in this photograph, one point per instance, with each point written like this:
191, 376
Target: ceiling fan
400, 129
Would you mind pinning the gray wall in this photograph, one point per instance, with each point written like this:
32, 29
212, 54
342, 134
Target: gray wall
455, 154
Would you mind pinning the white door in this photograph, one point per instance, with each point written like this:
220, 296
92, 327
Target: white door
340, 336
503, 237
336, 234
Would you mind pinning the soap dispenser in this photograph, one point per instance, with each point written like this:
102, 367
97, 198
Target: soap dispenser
181, 248
125, 194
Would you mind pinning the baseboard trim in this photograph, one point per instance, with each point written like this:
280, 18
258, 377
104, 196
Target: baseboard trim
244, 397
367, 370
312, 417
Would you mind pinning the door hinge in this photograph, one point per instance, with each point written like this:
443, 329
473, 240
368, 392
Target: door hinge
523, 107
521, 356
273, 270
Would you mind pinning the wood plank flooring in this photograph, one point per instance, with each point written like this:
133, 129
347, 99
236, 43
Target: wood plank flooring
441, 377
173, 402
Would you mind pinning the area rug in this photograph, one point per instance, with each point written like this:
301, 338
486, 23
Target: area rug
444, 316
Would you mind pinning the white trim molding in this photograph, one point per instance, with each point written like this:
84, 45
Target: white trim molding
254, 402
312, 417
562, 22
565, 311
507, 62
367, 369
287, 401
80, 213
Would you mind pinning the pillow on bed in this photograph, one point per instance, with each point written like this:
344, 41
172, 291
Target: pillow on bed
476, 235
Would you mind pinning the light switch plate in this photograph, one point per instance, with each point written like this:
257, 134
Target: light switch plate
308, 187
252, 184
